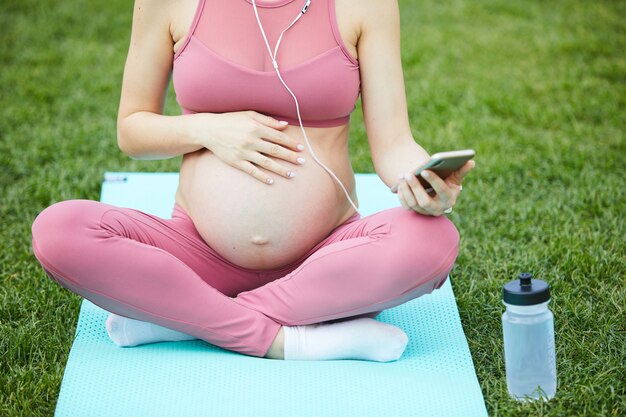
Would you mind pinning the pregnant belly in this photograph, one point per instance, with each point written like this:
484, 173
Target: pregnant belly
261, 226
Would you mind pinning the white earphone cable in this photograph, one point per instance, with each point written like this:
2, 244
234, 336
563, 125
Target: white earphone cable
275, 64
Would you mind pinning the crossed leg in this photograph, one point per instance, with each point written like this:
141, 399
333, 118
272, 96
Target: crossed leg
147, 268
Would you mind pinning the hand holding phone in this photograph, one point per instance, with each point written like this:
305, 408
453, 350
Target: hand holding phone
441, 194
442, 164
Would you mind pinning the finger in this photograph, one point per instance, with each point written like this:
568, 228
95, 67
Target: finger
267, 120
402, 202
444, 192
425, 201
407, 194
267, 130
466, 168
277, 151
280, 138
271, 165
416, 208
457, 176
250, 169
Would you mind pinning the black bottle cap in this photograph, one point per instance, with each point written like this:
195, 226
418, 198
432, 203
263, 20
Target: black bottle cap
526, 291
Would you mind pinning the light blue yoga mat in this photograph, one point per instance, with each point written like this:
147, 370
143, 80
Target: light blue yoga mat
434, 377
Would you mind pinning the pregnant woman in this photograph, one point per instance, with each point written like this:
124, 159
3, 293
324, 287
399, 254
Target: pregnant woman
265, 254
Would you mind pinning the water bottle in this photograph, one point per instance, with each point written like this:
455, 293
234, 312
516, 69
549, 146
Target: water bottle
528, 328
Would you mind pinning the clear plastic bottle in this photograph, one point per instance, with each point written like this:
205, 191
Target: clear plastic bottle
528, 328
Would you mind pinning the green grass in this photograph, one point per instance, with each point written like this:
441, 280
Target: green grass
537, 88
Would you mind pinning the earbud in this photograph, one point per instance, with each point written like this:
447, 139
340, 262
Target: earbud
275, 65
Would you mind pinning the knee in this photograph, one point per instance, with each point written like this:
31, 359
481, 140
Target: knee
427, 246
55, 228
430, 234
446, 235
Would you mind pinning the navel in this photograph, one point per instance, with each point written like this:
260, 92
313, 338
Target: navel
259, 240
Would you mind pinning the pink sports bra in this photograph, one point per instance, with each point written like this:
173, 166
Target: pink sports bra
224, 64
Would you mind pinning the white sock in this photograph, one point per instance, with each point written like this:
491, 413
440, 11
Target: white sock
124, 332
363, 338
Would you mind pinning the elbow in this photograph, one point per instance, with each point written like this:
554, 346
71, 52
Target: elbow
123, 142
126, 150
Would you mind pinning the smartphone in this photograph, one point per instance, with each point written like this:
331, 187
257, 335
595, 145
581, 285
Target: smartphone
442, 164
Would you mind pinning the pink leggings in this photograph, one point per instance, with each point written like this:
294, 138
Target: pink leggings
160, 270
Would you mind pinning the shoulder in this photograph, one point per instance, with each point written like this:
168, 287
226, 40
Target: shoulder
376, 14
156, 12
164, 18
155, 8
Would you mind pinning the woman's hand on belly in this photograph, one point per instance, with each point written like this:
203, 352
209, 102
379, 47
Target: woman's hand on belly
246, 139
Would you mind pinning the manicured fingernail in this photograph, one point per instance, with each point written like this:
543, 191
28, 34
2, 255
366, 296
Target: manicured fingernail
401, 176
425, 174
269, 181
300, 147
282, 122
407, 177
291, 174
300, 160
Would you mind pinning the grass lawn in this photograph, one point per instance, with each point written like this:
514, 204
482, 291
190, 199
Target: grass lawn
537, 88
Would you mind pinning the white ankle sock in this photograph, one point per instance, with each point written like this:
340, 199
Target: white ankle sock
124, 331
363, 338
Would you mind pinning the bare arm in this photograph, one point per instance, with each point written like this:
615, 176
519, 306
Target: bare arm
241, 139
393, 149
143, 132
